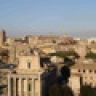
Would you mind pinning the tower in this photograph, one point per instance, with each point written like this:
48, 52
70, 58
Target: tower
2, 37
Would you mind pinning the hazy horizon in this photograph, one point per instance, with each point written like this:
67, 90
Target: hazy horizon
78, 35
73, 17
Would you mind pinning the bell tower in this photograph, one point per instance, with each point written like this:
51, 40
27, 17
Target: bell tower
2, 37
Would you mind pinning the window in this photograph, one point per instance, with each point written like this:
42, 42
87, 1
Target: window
29, 87
94, 71
79, 70
29, 65
84, 71
90, 71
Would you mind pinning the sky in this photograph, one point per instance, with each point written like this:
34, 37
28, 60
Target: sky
56, 17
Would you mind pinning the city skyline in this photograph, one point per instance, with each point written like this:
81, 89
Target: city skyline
76, 18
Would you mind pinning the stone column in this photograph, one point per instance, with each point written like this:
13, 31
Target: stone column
14, 86
39, 86
26, 87
9, 85
33, 87
20, 86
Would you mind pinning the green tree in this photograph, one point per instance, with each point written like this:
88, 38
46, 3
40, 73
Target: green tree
60, 87
58, 90
91, 55
64, 54
87, 91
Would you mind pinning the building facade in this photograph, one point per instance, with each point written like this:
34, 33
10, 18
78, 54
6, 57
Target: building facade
29, 79
82, 74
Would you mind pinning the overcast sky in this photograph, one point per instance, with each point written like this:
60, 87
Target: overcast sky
73, 17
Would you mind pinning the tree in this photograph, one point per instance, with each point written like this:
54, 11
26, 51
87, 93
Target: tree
91, 55
87, 91
65, 73
60, 88
1, 89
68, 61
64, 54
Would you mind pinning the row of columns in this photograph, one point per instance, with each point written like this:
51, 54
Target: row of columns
18, 88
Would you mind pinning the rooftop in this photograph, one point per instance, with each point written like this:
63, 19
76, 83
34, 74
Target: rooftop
84, 65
